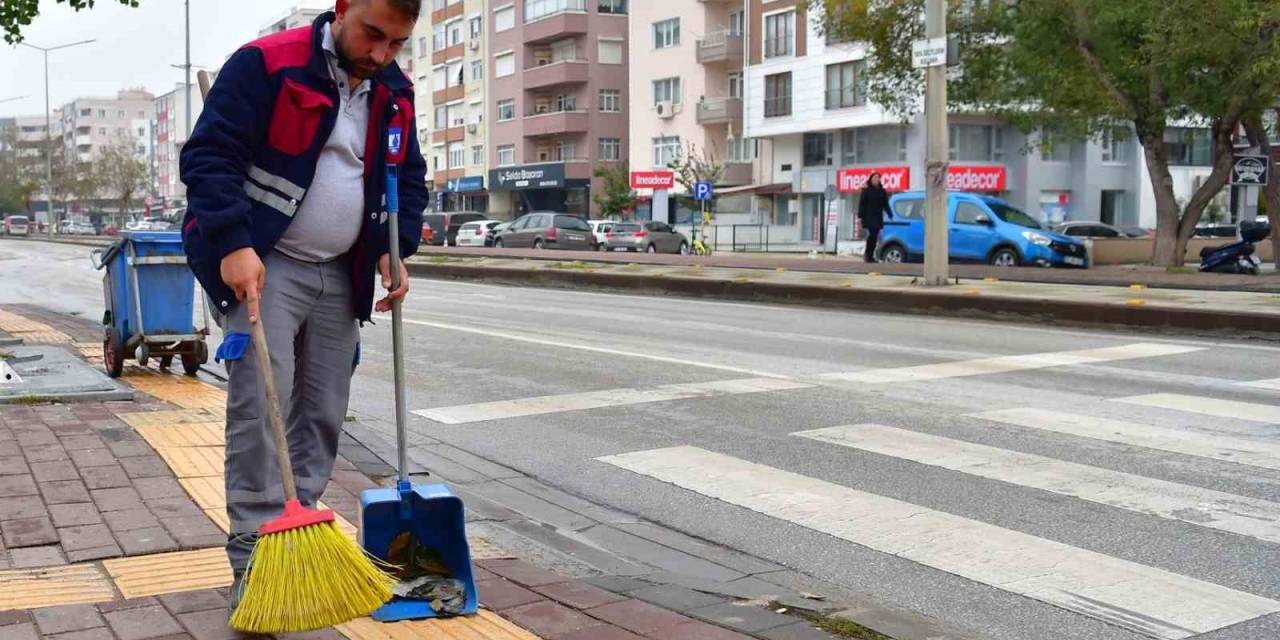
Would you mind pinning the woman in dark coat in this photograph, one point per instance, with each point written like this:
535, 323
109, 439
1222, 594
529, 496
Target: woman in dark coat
873, 207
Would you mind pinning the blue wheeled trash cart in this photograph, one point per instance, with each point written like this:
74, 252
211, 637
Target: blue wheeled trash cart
150, 303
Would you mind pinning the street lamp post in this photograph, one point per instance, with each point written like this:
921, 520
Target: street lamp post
48, 130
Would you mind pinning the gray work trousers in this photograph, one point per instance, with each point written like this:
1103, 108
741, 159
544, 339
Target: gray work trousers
312, 335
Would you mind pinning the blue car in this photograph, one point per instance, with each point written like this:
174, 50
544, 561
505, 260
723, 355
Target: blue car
982, 229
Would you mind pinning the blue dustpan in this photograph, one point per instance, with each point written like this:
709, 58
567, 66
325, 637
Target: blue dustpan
431, 513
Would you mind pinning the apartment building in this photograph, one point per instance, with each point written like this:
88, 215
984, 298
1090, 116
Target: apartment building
556, 101
90, 125
805, 103
688, 92
171, 135
450, 62
31, 140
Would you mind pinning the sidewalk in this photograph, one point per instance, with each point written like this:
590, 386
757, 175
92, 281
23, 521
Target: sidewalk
1136, 305
112, 521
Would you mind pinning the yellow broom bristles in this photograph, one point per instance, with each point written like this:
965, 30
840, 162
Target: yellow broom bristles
308, 578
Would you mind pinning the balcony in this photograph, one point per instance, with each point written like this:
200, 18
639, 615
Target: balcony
721, 47
456, 133
556, 122
448, 53
720, 111
556, 73
736, 173
450, 10
547, 20
456, 92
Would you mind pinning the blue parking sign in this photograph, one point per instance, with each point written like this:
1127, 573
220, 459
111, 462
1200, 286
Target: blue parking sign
702, 190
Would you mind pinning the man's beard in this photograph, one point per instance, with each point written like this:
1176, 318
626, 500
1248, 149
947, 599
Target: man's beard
345, 63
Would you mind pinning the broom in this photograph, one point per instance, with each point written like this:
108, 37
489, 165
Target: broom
303, 574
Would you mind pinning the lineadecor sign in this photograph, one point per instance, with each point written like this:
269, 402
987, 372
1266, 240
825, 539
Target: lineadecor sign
855, 179
960, 177
977, 178
652, 179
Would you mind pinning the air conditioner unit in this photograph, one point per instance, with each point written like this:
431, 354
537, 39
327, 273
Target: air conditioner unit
471, 128
542, 62
475, 45
542, 108
666, 110
544, 156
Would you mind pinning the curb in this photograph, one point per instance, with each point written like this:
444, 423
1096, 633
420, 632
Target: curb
898, 301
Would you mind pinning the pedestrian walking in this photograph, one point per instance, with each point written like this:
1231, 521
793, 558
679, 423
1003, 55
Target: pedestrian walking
873, 207
286, 175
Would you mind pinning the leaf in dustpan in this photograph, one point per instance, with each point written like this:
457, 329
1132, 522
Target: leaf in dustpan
413, 560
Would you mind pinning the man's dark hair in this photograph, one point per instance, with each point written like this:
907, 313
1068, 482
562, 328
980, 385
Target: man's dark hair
407, 8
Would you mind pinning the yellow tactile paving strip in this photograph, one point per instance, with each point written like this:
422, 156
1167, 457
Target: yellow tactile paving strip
483, 626
169, 418
185, 392
170, 572
191, 434
35, 588
30, 330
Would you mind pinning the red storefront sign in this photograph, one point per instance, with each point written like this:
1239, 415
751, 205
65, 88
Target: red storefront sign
893, 178
976, 178
652, 179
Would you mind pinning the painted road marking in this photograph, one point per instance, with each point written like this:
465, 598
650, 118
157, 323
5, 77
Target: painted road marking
1219, 446
502, 409
1270, 385
1151, 601
512, 336
1251, 411
1203, 507
1005, 364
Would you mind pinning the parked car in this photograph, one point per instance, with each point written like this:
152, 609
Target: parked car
496, 231
446, 225
1089, 229
76, 228
17, 226
476, 234
650, 237
983, 229
1137, 232
428, 235
599, 229
548, 230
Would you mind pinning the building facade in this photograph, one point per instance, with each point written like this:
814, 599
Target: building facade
90, 125
556, 103
171, 135
805, 102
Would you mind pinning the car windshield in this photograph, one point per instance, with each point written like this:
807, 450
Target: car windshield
1013, 216
572, 223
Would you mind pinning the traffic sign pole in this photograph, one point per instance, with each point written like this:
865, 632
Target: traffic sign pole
935, 100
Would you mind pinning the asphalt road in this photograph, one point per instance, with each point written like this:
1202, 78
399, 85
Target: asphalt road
1128, 487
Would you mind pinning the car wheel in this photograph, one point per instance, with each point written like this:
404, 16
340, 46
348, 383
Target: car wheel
1005, 257
893, 253
651, 249
684, 248
497, 244
537, 244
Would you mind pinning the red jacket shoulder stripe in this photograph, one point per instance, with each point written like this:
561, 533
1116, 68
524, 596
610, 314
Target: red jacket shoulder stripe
291, 48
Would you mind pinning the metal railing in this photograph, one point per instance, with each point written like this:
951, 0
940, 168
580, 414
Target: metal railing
779, 106
779, 46
539, 9
753, 237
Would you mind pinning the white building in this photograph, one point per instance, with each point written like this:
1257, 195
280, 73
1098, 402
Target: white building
171, 134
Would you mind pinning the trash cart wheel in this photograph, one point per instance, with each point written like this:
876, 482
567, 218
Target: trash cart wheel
191, 360
113, 353
165, 362
143, 354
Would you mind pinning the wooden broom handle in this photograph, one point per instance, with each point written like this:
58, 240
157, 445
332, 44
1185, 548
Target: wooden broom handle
273, 410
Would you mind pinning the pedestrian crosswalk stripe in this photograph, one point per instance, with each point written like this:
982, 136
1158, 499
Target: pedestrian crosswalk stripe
1145, 599
1251, 411
1219, 446
1005, 364
1272, 385
502, 409
1202, 507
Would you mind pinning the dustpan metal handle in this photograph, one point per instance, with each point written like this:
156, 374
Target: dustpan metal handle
397, 324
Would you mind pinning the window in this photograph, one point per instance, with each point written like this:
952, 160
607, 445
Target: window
613, 6
1113, 146
1053, 150
504, 19
665, 150
777, 95
666, 34
102, 131
142, 132
504, 65
610, 100
735, 84
909, 209
538, 9
477, 70
779, 34
455, 33
736, 22
440, 78
610, 149
457, 155
844, 84
506, 155
477, 154
741, 149
85, 113
438, 42
566, 102
817, 149
1186, 146
476, 28
969, 213
442, 117
506, 110
455, 74
422, 46
610, 52
867, 145
564, 50
666, 90
102, 113
565, 151
980, 143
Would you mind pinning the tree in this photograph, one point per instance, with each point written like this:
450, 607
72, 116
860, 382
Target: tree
16, 14
1080, 68
121, 174
17, 182
615, 197
694, 165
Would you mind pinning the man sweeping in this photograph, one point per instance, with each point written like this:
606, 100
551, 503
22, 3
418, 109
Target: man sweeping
286, 226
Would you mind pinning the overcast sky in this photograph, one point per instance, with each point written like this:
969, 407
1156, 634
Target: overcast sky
134, 47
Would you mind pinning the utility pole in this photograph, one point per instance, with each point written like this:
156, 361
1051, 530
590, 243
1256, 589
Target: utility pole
48, 133
938, 154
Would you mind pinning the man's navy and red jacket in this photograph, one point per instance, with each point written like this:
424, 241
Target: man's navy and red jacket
252, 156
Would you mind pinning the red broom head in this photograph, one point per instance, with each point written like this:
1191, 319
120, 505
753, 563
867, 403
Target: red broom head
295, 516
